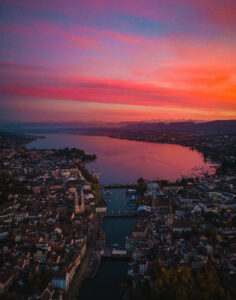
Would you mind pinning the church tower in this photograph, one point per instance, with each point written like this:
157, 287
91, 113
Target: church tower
73, 191
81, 199
78, 199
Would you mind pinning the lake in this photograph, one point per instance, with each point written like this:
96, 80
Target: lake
123, 161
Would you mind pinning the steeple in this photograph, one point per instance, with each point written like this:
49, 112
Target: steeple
78, 199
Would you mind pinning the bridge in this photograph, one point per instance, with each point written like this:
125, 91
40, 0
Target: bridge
121, 214
110, 252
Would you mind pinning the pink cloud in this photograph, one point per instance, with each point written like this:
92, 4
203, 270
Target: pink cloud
83, 63
118, 91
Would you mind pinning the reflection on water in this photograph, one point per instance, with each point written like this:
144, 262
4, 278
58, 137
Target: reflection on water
106, 285
117, 229
123, 161
119, 200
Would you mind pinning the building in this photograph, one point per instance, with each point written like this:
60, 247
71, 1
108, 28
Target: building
78, 199
6, 280
140, 231
48, 292
61, 281
101, 208
154, 193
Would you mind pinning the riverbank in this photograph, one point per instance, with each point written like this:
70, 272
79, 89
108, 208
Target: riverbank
80, 274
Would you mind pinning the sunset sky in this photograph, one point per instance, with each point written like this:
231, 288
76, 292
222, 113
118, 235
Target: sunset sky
115, 60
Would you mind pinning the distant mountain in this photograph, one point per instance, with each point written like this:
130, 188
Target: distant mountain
38, 127
213, 127
224, 127
103, 128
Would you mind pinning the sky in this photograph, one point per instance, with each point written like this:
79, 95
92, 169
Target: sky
115, 61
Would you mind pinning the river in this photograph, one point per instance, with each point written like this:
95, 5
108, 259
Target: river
112, 272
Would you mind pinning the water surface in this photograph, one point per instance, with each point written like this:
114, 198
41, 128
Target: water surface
106, 285
112, 272
123, 161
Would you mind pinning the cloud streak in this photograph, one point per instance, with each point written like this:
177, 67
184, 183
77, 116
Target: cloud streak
161, 54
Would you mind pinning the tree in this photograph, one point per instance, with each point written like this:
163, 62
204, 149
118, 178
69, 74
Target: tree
139, 202
142, 185
182, 283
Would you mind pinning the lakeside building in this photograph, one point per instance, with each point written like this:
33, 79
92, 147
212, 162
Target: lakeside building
101, 207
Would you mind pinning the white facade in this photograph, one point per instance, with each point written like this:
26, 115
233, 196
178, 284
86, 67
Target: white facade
102, 209
61, 282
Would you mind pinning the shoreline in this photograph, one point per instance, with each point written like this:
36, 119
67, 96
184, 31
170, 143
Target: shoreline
216, 164
191, 147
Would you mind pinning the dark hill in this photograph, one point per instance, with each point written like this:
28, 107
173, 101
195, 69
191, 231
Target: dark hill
213, 127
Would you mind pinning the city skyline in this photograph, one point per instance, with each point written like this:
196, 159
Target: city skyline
117, 61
